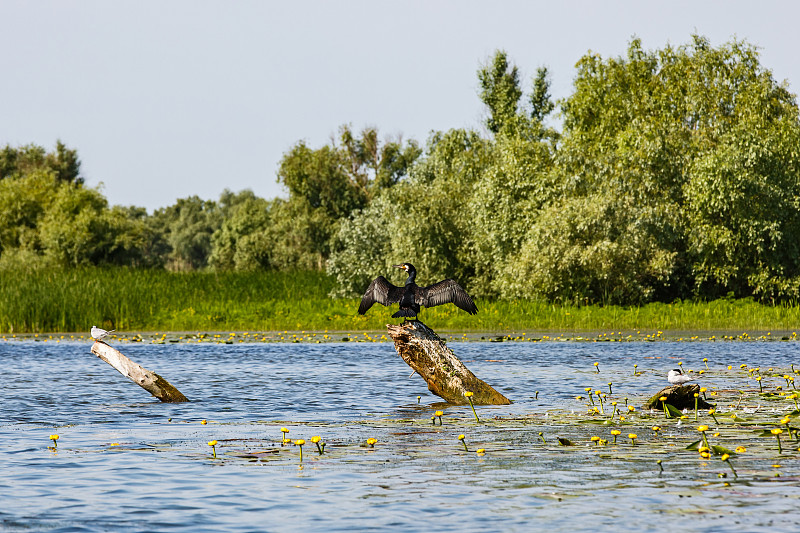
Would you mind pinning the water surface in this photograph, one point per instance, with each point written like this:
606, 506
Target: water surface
126, 462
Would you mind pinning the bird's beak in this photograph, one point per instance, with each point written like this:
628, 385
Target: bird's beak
399, 266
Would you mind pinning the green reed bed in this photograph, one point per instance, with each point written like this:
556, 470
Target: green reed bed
155, 300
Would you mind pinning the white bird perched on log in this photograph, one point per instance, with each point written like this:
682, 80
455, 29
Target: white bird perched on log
676, 377
99, 334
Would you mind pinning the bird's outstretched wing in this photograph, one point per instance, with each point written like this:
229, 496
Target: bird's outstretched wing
447, 291
380, 291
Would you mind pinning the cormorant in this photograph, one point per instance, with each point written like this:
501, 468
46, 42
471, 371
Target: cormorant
412, 296
676, 377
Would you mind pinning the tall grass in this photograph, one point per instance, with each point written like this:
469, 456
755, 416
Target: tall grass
149, 300
155, 300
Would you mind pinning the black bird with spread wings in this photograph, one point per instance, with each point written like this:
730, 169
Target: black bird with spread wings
412, 296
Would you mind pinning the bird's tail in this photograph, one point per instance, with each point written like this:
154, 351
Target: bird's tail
405, 312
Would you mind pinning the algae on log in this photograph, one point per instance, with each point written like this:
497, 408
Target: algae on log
447, 377
149, 381
678, 396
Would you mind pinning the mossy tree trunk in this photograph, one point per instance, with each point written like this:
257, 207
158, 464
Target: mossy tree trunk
149, 381
446, 375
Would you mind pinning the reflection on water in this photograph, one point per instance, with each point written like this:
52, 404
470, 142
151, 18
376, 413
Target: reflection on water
126, 462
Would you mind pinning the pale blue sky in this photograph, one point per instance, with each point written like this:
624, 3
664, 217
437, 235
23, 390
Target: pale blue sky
166, 99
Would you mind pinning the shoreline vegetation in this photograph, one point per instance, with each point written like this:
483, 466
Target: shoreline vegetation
666, 175
151, 300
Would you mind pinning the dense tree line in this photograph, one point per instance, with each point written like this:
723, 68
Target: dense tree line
674, 173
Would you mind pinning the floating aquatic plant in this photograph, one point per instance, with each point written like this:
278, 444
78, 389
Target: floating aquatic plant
663, 400
316, 440
615, 433
54, 438
462, 438
633, 438
439, 414
284, 438
660, 466
300, 442
213, 444
371, 442
541, 436
711, 413
777, 432
725, 457
597, 366
794, 396
702, 430
468, 395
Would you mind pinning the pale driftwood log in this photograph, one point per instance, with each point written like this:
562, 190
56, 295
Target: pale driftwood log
678, 396
446, 375
149, 381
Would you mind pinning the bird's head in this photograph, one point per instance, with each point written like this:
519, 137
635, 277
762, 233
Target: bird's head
408, 267
677, 371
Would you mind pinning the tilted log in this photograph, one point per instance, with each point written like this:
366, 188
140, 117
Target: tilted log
678, 396
149, 381
446, 375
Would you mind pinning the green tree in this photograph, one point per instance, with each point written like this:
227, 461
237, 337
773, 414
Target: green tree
541, 101
500, 91
64, 163
187, 228
327, 186
23, 202
677, 173
422, 220
78, 228
516, 183
243, 241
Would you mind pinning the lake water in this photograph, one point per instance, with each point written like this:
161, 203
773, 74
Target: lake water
126, 462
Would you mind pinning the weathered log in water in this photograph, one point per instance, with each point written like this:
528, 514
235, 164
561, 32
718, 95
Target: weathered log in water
149, 381
679, 397
446, 375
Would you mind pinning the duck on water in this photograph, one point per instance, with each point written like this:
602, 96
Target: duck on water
411, 296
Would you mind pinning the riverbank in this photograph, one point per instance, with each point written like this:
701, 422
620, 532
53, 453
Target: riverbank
45, 302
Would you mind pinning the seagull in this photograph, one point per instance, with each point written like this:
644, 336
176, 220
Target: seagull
676, 377
100, 334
